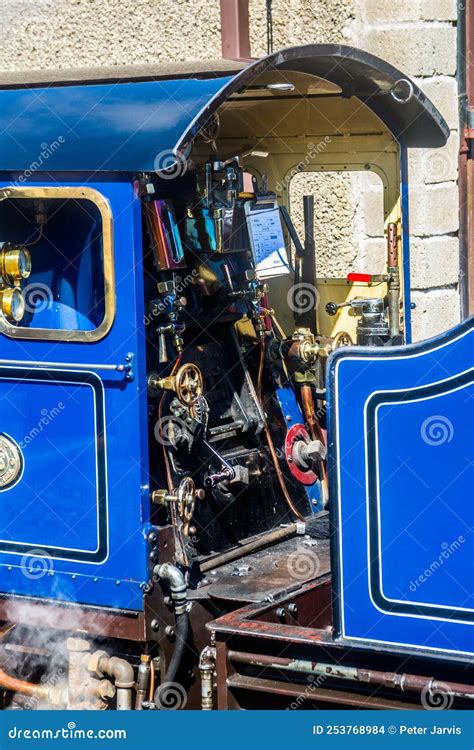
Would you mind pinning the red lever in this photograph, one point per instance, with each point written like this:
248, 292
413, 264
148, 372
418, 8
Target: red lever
365, 277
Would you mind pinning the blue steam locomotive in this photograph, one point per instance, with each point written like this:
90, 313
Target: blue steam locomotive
222, 466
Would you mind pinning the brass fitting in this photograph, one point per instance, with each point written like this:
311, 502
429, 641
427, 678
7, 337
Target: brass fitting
187, 383
184, 496
310, 348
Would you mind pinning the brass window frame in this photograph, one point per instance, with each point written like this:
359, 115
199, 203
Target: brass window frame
73, 193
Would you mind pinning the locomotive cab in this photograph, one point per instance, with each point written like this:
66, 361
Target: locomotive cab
193, 329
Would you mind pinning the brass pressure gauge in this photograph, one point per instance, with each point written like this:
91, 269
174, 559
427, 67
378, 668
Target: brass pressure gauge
15, 263
13, 304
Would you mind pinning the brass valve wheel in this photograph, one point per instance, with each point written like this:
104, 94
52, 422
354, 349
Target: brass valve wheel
189, 384
185, 498
186, 492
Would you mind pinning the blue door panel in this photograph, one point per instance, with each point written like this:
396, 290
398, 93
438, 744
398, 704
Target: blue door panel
402, 486
74, 526
55, 423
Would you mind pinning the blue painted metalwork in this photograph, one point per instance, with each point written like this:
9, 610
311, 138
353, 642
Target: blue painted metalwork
80, 535
108, 127
74, 526
402, 477
138, 126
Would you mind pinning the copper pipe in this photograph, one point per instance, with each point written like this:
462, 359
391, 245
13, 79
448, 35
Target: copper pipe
394, 276
392, 244
13, 685
260, 368
308, 408
404, 682
152, 682
271, 446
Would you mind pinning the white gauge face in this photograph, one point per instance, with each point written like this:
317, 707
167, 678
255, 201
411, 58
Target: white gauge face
24, 263
17, 305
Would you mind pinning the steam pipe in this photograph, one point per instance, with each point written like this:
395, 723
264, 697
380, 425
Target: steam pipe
143, 680
404, 682
178, 589
120, 670
79, 655
13, 685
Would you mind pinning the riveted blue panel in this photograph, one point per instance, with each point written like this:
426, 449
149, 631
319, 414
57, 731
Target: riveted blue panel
402, 479
73, 527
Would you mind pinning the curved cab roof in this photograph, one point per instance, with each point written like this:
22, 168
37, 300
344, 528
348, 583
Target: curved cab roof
134, 119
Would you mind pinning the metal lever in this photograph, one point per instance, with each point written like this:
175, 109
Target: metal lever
162, 352
226, 472
127, 367
332, 307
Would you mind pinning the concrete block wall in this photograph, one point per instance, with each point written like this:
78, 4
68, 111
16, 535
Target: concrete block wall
419, 36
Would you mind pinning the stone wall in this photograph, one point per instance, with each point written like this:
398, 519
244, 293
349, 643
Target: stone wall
419, 36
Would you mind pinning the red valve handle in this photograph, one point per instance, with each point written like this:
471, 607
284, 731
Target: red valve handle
364, 277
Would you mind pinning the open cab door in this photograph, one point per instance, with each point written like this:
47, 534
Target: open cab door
402, 479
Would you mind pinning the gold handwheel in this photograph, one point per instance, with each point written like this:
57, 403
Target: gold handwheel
189, 384
186, 495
